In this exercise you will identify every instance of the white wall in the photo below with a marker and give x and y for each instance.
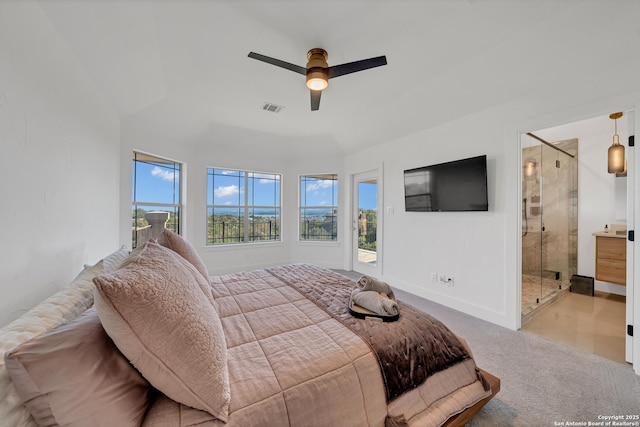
(222, 146)
(60, 146)
(466, 245)
(326, 254)
(480, 249)
(63, 194)
(596, 189)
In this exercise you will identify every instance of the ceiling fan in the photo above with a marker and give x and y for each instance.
(318, 71)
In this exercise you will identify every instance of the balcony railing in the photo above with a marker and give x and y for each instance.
(367, 238)
(313, 229)
(233, 231)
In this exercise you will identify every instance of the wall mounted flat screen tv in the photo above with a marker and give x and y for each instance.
(455, 186)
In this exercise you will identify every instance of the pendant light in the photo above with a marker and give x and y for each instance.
(616, 162)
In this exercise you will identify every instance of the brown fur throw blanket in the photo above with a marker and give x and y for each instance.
(408, 350)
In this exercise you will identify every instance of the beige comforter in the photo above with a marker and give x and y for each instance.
(291, 364)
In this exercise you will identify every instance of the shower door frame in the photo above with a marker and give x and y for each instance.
(551, 228)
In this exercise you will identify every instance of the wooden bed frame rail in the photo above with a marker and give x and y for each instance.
(464, 417)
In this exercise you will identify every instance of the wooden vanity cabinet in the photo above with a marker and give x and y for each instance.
(611, 259)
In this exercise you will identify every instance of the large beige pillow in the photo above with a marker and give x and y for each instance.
(154, 310)
(74, 375)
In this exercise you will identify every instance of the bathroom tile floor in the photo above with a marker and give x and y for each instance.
(593, 324)
(536, 293)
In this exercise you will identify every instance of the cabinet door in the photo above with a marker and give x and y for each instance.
(611, 248)
(611, 270)
(611, 265)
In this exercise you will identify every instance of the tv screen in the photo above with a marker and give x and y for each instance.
(455, 186)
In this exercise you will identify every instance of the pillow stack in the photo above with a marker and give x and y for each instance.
(157, 314)
(158, 310)
(74, 375)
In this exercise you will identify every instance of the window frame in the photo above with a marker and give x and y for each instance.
(177, 209)
(249, 177)
(335, 208)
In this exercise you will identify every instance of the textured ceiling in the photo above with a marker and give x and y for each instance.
(183, 65)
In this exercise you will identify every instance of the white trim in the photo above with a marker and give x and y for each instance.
(336, 207)
(182, 197)
(513, 235)
(513, 223)
(246, 205)
(376, 174)
(633, 288)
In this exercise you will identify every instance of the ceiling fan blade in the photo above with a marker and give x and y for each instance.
(315, 99)
(278, 63)
(352, 67)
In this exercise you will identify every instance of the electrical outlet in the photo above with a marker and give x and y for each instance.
(446, 280)
(434, 277)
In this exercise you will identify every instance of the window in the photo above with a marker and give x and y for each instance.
(319, 207)
(242, 206)
(156, 187)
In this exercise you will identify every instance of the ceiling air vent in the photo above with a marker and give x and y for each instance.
(267, 106)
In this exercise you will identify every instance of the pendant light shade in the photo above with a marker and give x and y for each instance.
(616, 158)
(616, 162)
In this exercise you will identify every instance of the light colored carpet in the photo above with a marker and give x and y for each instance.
(542, 382)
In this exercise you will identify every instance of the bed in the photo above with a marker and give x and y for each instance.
(272, 347)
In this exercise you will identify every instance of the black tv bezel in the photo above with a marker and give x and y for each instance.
(435, 165)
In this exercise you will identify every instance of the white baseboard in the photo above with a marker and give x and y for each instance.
(611, 288)
(454, 303)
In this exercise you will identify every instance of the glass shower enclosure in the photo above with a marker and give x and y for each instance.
(549, 220)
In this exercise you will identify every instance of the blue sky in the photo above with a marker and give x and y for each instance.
(367, 195)
(156, 184)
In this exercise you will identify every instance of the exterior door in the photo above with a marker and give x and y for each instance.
(632, 221)
(366, 224)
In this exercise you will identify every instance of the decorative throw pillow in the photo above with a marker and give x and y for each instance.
(154, 311)
(75, 375)
(112, 261)
(182, 246)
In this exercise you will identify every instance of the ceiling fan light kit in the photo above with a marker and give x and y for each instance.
(317, 77)
(318, 72)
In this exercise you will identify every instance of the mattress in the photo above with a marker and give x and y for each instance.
(290, 362)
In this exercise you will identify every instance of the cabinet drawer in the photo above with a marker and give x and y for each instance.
(611, 248)
(611, 270)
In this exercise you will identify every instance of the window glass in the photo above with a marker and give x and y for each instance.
(155, 187)
(242, 206)
(318, 207)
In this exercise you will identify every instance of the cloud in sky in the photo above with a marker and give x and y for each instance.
(228, 191)
(323, 183)
(163, 174)
(264, 178)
